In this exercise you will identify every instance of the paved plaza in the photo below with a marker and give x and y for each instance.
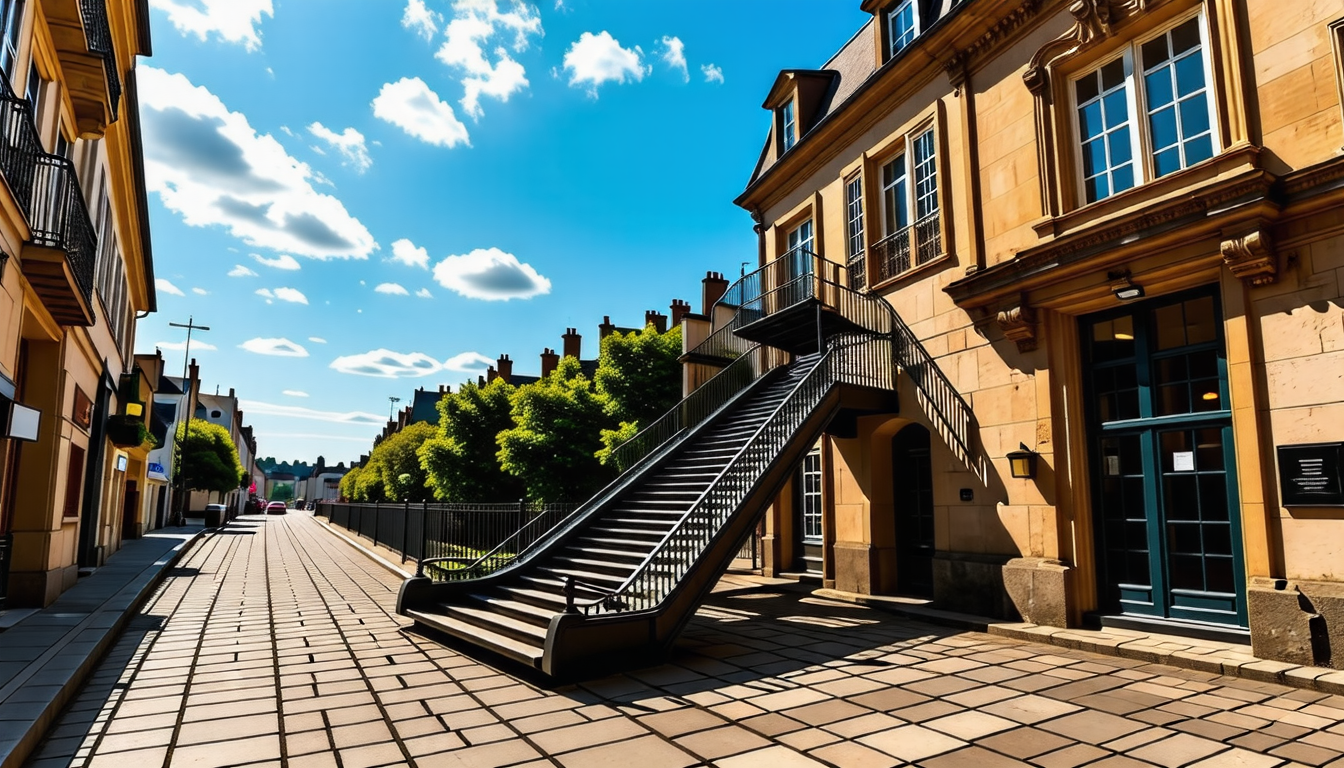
(275, 643)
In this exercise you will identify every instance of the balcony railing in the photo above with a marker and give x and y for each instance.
(98, 34)
(46, 189)
(924, 239)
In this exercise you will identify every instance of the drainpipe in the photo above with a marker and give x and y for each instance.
(760, 238)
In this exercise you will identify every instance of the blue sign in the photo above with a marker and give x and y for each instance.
(156, 468)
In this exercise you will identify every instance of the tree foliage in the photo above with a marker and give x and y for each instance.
(397, 462)
(460, 459)
(556, 434)
(639, 374)
(208, 459)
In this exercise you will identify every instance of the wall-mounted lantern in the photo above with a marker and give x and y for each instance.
(1022, 462)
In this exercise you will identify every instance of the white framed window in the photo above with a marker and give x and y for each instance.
(1145, 113)
(911, 220)
(788, 126)
(801, 238)
(11, 18)
(902, 26)
(854, 246)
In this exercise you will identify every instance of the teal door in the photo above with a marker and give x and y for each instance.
(1165, 498)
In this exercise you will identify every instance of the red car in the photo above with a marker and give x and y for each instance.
(276, 508)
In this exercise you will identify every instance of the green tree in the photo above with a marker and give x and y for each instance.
(556, 434)
(282, 492)
(208, 459)
(461, 459)
(349, 481)
(639, 375)
(398, 464)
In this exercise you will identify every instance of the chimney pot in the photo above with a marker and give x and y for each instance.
(713, 287)
(679, 310)
(573, 343)
(657, 319)
(549, 361)
(606, 328)
(505, 368)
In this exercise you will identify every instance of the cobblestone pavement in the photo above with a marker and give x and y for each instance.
(274, 643)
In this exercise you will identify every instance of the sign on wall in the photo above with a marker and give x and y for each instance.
(1312, 475)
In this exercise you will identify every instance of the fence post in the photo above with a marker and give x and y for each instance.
(405, 528)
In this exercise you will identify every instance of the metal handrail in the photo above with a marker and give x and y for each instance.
(495, 556)
(98, 37)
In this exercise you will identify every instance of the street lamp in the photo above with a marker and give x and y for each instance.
(1022, 462)
(392, 407)
(186, 398)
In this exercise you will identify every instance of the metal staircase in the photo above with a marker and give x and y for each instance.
(614, 583)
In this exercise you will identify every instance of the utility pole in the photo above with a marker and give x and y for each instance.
(183, 418)
(392, 407)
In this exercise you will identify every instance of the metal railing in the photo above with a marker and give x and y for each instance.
(98, 36)
(46, 189)
(855, 359)
(447, 535)
(924, 239)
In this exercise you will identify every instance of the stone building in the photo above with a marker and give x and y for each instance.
(76, 270)
(1115, 228)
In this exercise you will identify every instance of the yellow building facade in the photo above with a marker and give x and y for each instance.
(77, 271)
(1115, 227)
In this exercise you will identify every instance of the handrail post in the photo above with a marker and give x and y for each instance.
(569, 589)
(405, 528)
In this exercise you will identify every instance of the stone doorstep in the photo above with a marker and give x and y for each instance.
(16, 747)
(1199, 655)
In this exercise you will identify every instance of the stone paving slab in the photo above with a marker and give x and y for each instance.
(284, 650)
(48, 653)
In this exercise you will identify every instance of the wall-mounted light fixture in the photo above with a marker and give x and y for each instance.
(135, 410)
(1022, 462)
(1123, 287)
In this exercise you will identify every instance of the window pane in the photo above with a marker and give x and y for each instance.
(1157, 86)
(1096, 189)
(1117, 109)
(1094, 157)
(1201, 326)
(1155, 52)
(1170, 324)
(1185, 37)
(1166, 162)
(1089, 120)
(1194, 115)
(1122, 178)
(1199, 149)
(1086, 89)
(1163, 126)
(1189, 74)
(1121, 149)
(1113, 75)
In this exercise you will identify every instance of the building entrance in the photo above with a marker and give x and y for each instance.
(808, 503)
(1164, 486)
(912, 488)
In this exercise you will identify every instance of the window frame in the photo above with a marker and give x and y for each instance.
(1136, 101)
(11, 28)
(788, 126)
(904, 149)
(889, 15)
(856, 244)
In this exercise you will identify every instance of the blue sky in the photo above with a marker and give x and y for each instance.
(332, 181)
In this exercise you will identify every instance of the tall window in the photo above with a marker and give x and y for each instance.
(11, 17)
(910, 223)
(858, 273)
(801, 238)
(788, 126)
(902, 26)
(1134, 129)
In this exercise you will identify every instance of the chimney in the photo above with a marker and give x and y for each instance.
(231, 394)
(505, 368)
(680, 309)
(481, 381)
(491, 374)
(714, 287)
(573, 343)
(658, 319)
(549, 360)
(606, 328)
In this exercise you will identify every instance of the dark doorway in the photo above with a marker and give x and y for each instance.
(912, 491)
(130, 512)
(1164, 480)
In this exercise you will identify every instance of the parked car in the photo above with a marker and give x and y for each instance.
(276, 508)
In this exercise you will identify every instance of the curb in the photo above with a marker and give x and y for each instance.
(1246, 667)
(396, 570)
(16, 754)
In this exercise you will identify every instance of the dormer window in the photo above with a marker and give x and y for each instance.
(788, 126)
(902, 26)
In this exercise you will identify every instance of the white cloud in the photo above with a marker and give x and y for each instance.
(234, 21)
(294, 393)
(490, 274)
(424, 293)
(292, 295)
(317, 339)
(410, 105)
(713, 73)
(387, 364)
(392, 289)
(674, 55)
(596, 59)
(240, 271)
(407, 253)
(266, 294)
(476, 24)
(210, 166)
(468, 362)
(283, 261)
(274, 347)
(420, 19)
(350, 143)
(253, 407)
(200, 291)
(174, 346)
(167, 287)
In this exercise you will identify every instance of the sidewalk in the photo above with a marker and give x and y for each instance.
(46, 656)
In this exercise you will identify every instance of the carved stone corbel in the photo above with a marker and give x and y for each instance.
(1252, 258)
(1092, 20)
(1019, 326)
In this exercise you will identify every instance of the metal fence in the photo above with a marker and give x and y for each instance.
(465, 532)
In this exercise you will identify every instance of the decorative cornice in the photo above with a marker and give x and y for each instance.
(958, 66)
(1251, 257)
(1093, 20)
(1308, 180)
(1019, 326)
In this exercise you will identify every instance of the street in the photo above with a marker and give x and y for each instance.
(274, 643)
